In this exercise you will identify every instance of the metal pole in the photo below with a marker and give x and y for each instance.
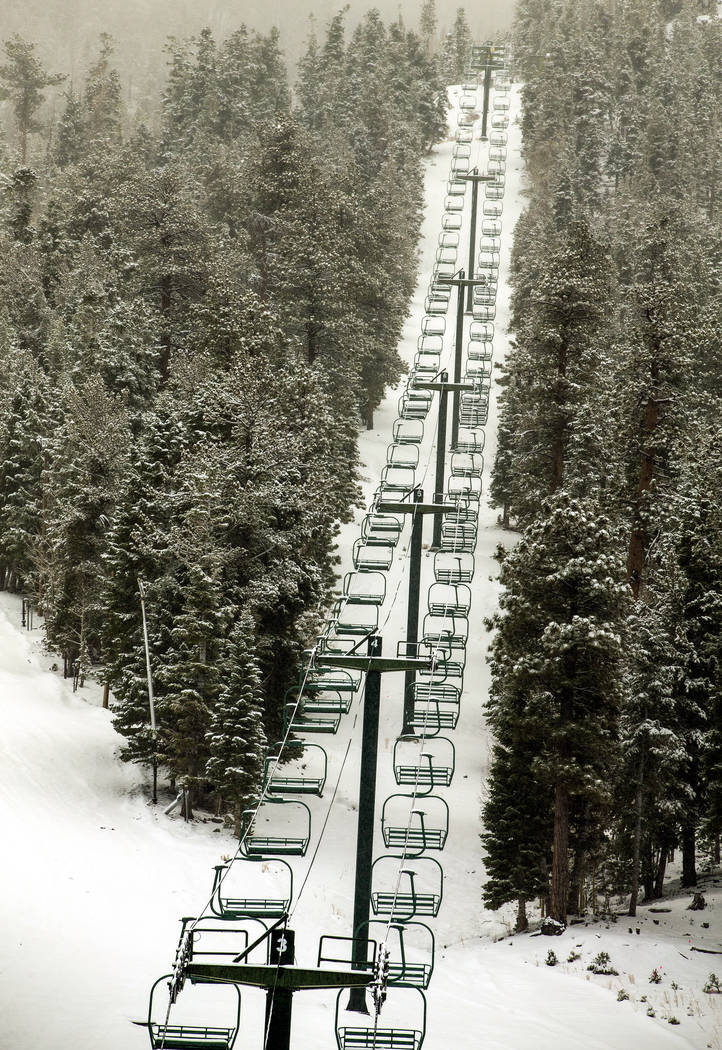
(412, 619)
(487, 87)
(365, 834)
(279, 1001)
(472, 238)
(457, 361)
(151, 700)
(440, 457)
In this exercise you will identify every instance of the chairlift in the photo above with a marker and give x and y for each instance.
(477, 371)
(357, 620)
(206, 1000)
(269, 880)
(373, 1036)
(434, 326)
(463, 135)
(424, 762)
(485, 295)
(436, 303)
(458, 536)
(493, 209)
(490, 243)
(448, 239)
(408, 431)
(368, 557)
(385, 529)
(497, 153)
(446, 629)
(467, 487)
(470, 441)
(466, 118)
(488, 261)
(365, 588)
(401, 454)
(501, 105)
(493, 192)
(481, 332)
(435, 706)
(468, 102)
(289, 832)
(431, 344)
(446, 255)
(453, 568)
(500, 121)
(483, 312)
(461, 150)
(498, 138)
(419, 890)
(409, 408)
(460, 166)
(295, 768)
(399, 481)
(426, 365)
(467, 464)
(453, 204)
(451, 220)
(415, 823)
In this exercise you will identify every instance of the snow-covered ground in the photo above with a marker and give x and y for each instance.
(93, 880)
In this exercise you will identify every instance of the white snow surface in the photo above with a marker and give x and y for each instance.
(94, 880)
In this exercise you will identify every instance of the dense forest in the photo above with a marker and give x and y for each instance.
(606, 701)
(194, 322)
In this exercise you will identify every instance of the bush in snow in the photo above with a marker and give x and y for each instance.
(602, 964)
(655, 976)
(551, 959)
(712, 984)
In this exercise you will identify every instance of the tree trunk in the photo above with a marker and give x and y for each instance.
(560, 856)
(369, 415)
(648, 874)
(717, 849)
(522, 922)
(638, 540)
(637, 837)
(106, 696)
(689, 857)
(661, 869)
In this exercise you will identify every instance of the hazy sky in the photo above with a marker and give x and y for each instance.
(66, 31)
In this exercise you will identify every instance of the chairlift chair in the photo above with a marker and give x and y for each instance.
(500, 121)
(385, 529)
(448, 239)
(468, 102)
(408, 431)
(273, 877)
(458, 536)
(453, 204)
(478, 350)
(420, 892)
(477, 371)
(414, 823)
(470, 441)
(165, 1035)
(482, 312)
(436, 303)
(497, 153)
(399, 454)
(451, 220)
(466, 118)
(467, 464)
(493, 192)
(463, 135)
(435, 707)
(491, 227)
(481, 332)
(466, 487)
(365, 588)
(295, 768)
(422, 762)
(462, 149)
(448, 629)
(447, 255)
(444, 598)
(431, 344)
(368, 557)
(352, 1036)
(434, 326)
(493, 209)
(288, 835)
(357, 620)
(453, 567)
(498, 138)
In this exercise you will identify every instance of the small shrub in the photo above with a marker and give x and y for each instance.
(622, 995)
(650, 1011)
(672, 1020)
(655, 976)
(643, 999)
(573, 956)
(551, 959)
(712, 985)
(602, 964)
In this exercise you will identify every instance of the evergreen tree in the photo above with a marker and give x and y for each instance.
(236, 741)
(24, 80)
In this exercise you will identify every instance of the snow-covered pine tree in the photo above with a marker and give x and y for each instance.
(236, 741)
(559, 647)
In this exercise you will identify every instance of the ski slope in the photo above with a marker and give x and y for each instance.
(93, 880)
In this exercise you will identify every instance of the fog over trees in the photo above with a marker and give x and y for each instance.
(66, 31)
